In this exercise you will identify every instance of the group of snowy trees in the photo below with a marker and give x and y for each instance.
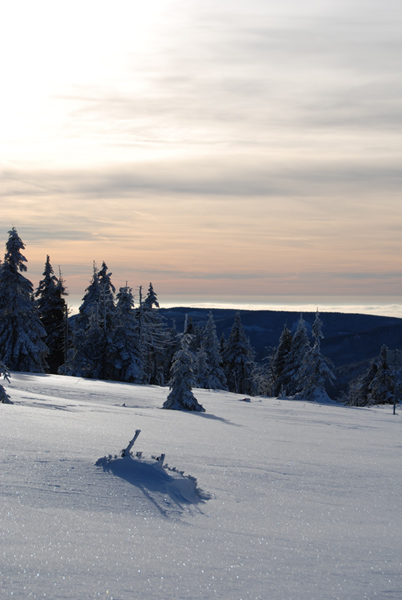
(112, 338)
(298, 368)
(379, 385)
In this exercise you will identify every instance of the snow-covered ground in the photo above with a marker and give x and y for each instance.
(293, 500)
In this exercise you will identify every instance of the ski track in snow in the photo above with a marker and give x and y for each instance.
(299, 501)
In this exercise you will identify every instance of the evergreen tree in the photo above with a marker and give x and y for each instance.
(181, 396)
(4, 372)
(279, 363)
(316, 369)
(381, 387)
(127, 359)
(151, 299)
(359, 388)
(261, 383)
(52, 311)
(93, 349)
(376, 386)
(239, 359)
(154, 340)
(201, 369)
(21, 333)
(296, 357)
(210, 359)
(90, 299)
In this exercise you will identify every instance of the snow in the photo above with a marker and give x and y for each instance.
(292, 500)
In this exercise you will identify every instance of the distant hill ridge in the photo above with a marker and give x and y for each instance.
(349, 338)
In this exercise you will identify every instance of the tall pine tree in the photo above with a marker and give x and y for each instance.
(21, 333)
(239, 359)
(316, 369)
(210, 359)
(295, 359)
(127, 357)
(52, 311)
(279, 363)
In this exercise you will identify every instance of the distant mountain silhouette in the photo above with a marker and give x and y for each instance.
(351, 340)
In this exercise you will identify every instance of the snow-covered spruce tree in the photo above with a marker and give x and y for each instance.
(316, 369)
(4, 372)
(52, 311)
(90, 299)
(295, 359)
(92, 354)
(359, 388)
(279, 363)
(261, 384)
(382, 386)
(88, 349)
(151, 299)
(127, 356)
(376, 386)
(238, 359)
(154, 339)
(210, 372)
(21, 333)
(181, 396)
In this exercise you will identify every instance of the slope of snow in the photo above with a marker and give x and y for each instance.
(292, 500)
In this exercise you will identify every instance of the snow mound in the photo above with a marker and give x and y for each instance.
(167, 488)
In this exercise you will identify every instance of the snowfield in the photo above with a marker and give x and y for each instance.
(285, 500)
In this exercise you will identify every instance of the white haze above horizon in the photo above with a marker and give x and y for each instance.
(378, 305)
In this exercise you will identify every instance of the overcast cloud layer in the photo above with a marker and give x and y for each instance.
(244, 148)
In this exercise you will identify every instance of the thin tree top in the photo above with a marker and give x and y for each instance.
(13, 257)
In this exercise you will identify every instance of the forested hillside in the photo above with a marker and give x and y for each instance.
(121, 336)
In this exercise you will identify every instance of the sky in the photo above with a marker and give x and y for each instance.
(232, 149)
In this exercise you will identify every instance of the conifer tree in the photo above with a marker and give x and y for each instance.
(90, 299)
(4, 372)
(154, 339)
(295, 359)
(359, 388)
(182, 380)
(52, 311)
(151, 299)
(210, 359)
(239, 359)
(127, 358)
(381, 387)
(279, 363)
(316, 369)
(376, 386)
(21, 333)
(92, 354)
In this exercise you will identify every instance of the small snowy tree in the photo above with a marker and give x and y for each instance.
(21, 333)
(151, 299)
(181, 396)
(4, 372)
